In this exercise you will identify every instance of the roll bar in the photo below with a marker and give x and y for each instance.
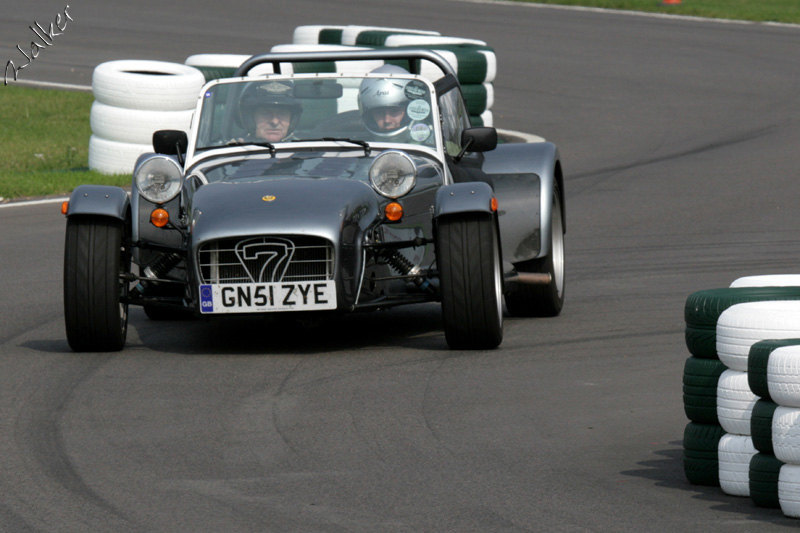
(410, 55)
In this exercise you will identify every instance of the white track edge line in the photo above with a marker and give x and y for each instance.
(32, 202)
(51, 85)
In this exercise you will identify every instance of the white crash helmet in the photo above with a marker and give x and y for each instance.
(375, 93)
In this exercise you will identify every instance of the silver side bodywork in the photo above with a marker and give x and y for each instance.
(524, 177)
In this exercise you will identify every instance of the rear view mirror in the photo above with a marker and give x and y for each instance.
(477, 140)
(318, 90)
(170, 142)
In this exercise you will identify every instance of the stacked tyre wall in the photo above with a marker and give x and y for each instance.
(741, 388)
(474, 62)
(133, 99)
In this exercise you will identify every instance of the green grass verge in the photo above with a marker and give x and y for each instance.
(756, 10)
(44, 143)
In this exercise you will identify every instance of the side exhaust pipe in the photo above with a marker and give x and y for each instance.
(528, 278)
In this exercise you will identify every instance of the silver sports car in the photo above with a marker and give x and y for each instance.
(323, 193)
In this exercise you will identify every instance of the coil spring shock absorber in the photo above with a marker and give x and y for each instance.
(403, 266)
(158, 268)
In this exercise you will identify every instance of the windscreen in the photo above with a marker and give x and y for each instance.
(275, 110)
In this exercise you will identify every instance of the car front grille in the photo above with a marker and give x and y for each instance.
(266, 260)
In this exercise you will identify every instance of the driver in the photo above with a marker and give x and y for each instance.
(268, 111)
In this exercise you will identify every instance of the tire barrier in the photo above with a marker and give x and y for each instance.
(112, 157)
(735, 402)
(135, 126)
(764, 478)
(786, 434)
(735, 453)
(484, 119)
(314, 34)
(741, 326)
(216, 66)
(703, 308)
(783, 376)
(700, 380)
(376, 35)
(761, 425)
(700, 453)
(747, 337)
(143, 84)
(789, 490)
(758, 363)
(770, 280)
(359, 67)
(133, 99)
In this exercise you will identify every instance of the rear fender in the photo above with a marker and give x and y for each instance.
(541, 159)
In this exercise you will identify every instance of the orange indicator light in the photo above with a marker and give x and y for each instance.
(159, 217)
(494, 204)
(394, 211)
(65, 207)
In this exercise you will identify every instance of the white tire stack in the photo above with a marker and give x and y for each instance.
(768, 280)
(215, 66)
(701, 376)
(474, 62)
(739, 329)
(734, 408)
(783, 381)
(133, 99)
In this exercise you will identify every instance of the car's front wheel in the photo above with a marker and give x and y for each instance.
(95, 310)
(471, 282)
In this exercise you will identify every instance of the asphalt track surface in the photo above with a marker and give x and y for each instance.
(679, 141)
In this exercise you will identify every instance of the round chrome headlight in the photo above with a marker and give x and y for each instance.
(158, 179)
(393, 173)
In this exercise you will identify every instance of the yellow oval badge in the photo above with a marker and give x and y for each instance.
(268, 198)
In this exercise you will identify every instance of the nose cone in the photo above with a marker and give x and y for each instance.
(322, 207)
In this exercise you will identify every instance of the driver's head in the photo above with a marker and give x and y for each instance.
(383, 103)
(269, 111)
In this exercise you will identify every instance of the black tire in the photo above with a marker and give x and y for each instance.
(543, 300)
(95, 314)
(761, 425)
(700, 454)
(763, 478)
(703, 308)
(702, 341)
(471, 280)
(700, 379)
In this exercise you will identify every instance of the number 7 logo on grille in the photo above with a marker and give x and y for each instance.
(265, 260)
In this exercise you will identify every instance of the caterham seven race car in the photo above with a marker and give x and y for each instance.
(323, 193)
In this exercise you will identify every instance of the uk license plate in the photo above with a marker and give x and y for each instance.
(267, 297)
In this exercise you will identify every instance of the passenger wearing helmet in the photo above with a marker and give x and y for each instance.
(268, 111)
(383, 106)
(396, 109)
